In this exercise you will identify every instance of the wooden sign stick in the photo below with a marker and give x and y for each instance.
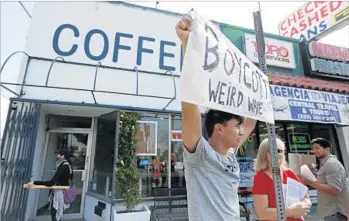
(45, 187)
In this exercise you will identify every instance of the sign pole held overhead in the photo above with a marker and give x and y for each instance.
(281, 212)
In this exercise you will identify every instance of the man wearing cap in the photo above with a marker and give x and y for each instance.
(62, 177)
(333, 191)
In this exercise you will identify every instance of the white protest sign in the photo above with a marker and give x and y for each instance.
(217, 75)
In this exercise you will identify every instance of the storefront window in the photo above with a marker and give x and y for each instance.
(298, 138)
(263, 131)
(160, 168)
(153, 153)
(246, 156)
(299, 151)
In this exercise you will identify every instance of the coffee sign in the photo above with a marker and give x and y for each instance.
(325, 60)
(277, 53)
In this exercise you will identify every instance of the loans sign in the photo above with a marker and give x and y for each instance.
(217, 75)
(314, 18)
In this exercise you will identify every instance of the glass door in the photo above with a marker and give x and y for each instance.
(78, 143)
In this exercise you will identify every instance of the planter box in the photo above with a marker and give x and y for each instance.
(142, 214)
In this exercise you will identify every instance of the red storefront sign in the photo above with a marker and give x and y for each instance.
(330, 52)
(176, 135)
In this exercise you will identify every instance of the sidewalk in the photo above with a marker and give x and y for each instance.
(314, 216)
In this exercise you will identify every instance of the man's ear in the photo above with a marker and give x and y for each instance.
(218, 128)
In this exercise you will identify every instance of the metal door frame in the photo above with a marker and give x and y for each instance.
(85, 174)
(17, 150)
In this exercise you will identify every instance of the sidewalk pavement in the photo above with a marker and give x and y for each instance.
(310, 217)
(314, 216)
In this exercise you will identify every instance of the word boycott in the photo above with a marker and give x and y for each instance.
(218, 75)
(233, 64)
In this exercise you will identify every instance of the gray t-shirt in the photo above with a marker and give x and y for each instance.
(332, 173)
(212, 183)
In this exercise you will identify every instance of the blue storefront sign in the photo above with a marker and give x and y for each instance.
(305, 110)
(297, 104)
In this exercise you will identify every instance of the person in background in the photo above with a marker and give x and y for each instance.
(157, 169)
(333, 193)
(263, 185)
(62, 177)
(173, 162)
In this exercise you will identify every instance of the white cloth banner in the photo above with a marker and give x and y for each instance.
(217, 75)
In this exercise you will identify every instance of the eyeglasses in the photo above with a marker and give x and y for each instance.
(279, 151)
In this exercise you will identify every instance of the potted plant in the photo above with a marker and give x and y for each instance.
(127, 174)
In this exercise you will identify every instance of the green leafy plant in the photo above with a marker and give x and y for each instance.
(127, 174)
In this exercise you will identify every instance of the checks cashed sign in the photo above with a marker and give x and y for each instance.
(217, 75)
(315, 18)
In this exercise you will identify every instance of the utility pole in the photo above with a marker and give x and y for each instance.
(281, 213)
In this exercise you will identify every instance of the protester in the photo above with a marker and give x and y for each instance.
(263, 185)
(62, 177)
(211, 170)
(333, 191)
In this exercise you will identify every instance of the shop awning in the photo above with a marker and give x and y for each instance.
(308, 83)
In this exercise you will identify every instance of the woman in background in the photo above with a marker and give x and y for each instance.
(263, 186)
(62, 177)
(157, 170)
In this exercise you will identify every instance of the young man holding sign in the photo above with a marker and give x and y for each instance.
(211, 169)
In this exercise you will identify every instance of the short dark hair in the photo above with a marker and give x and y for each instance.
(324, 143)
(65, 152)
(213, 117)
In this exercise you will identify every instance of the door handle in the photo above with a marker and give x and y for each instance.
(83, 175)
(87, 160)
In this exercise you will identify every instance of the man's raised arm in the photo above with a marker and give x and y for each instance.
(191, 117)
(191, 126)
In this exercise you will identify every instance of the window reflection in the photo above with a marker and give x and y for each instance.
(102, 173)
(147, 137)
(246, 155)
(298, 136)
(279, 131)
(153, 153)
(161, 167)
(177, 165)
